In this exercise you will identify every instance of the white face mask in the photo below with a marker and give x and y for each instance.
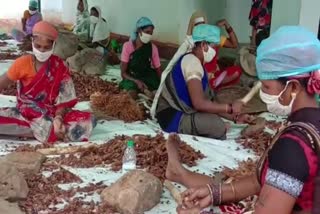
(94, 19)
(145, 38)
(42, 56)
(32, 12)
(209, 55)
(273, 104)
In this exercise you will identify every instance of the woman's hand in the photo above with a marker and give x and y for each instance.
(197, 198)
(245, 119)
(59, 127)
(237, 107)
(223, 23)
(184, 210)
(141, 85)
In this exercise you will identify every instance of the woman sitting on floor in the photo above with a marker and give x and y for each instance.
(29, 19)
(95, 53)
(185, 104)
(99, 30)
(217, 78)
(288, 178)
(45, 95)
(82, 26)
(140, 62)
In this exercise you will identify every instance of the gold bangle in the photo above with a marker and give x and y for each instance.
(234, 192)
(211, 193)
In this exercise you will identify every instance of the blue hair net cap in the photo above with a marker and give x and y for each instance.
(33, 4)
(290, 51)
(142, 22)
(208, 33)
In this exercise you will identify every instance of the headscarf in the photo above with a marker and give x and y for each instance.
(196, 17)
(203, 32)
(44, 28)
(141, 23)
(291, 52)
(85, 12)
(99, 31)
(82, 26)
(208, 33)
(34, 4)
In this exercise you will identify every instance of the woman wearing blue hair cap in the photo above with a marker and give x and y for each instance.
(140, 61)
(185, 103)
(288, 178)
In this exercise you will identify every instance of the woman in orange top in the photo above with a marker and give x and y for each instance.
(45, 95)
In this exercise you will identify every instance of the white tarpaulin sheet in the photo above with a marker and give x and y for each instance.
(218, 153)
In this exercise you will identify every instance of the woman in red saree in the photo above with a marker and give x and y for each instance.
(45, 95)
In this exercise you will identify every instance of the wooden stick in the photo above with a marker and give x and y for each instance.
(175, 193)
(65, 150)
(251, 93)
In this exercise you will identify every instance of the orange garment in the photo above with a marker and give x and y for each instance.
(223, 40)
(26, 15)
(22, 69)
(46, 29)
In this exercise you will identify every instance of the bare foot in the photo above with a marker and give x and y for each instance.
(175, 169)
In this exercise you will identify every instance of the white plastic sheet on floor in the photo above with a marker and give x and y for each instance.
(218, 154)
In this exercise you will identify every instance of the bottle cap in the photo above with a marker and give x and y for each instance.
(130, 143)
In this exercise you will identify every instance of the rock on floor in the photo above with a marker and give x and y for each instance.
(13, 186)
(135, 192)
(26, 162)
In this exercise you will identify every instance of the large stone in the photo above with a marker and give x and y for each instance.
(13, 186)
(88, 61)
(66, 45)
(26, 162)
(9, 208)
(136, 192)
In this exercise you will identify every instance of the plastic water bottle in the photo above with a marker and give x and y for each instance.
(129, 159)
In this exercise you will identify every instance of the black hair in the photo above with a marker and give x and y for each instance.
(303, 82)
(198, 44)
(145, 27)
(95, 9)
(262, 35)
(319, 30)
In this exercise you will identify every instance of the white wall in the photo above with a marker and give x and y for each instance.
(123, 14)
(237, 13)
(69, 10)
(52, 10)
(171, 17)
(309, 14)
(285, 12)
(13, 9)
